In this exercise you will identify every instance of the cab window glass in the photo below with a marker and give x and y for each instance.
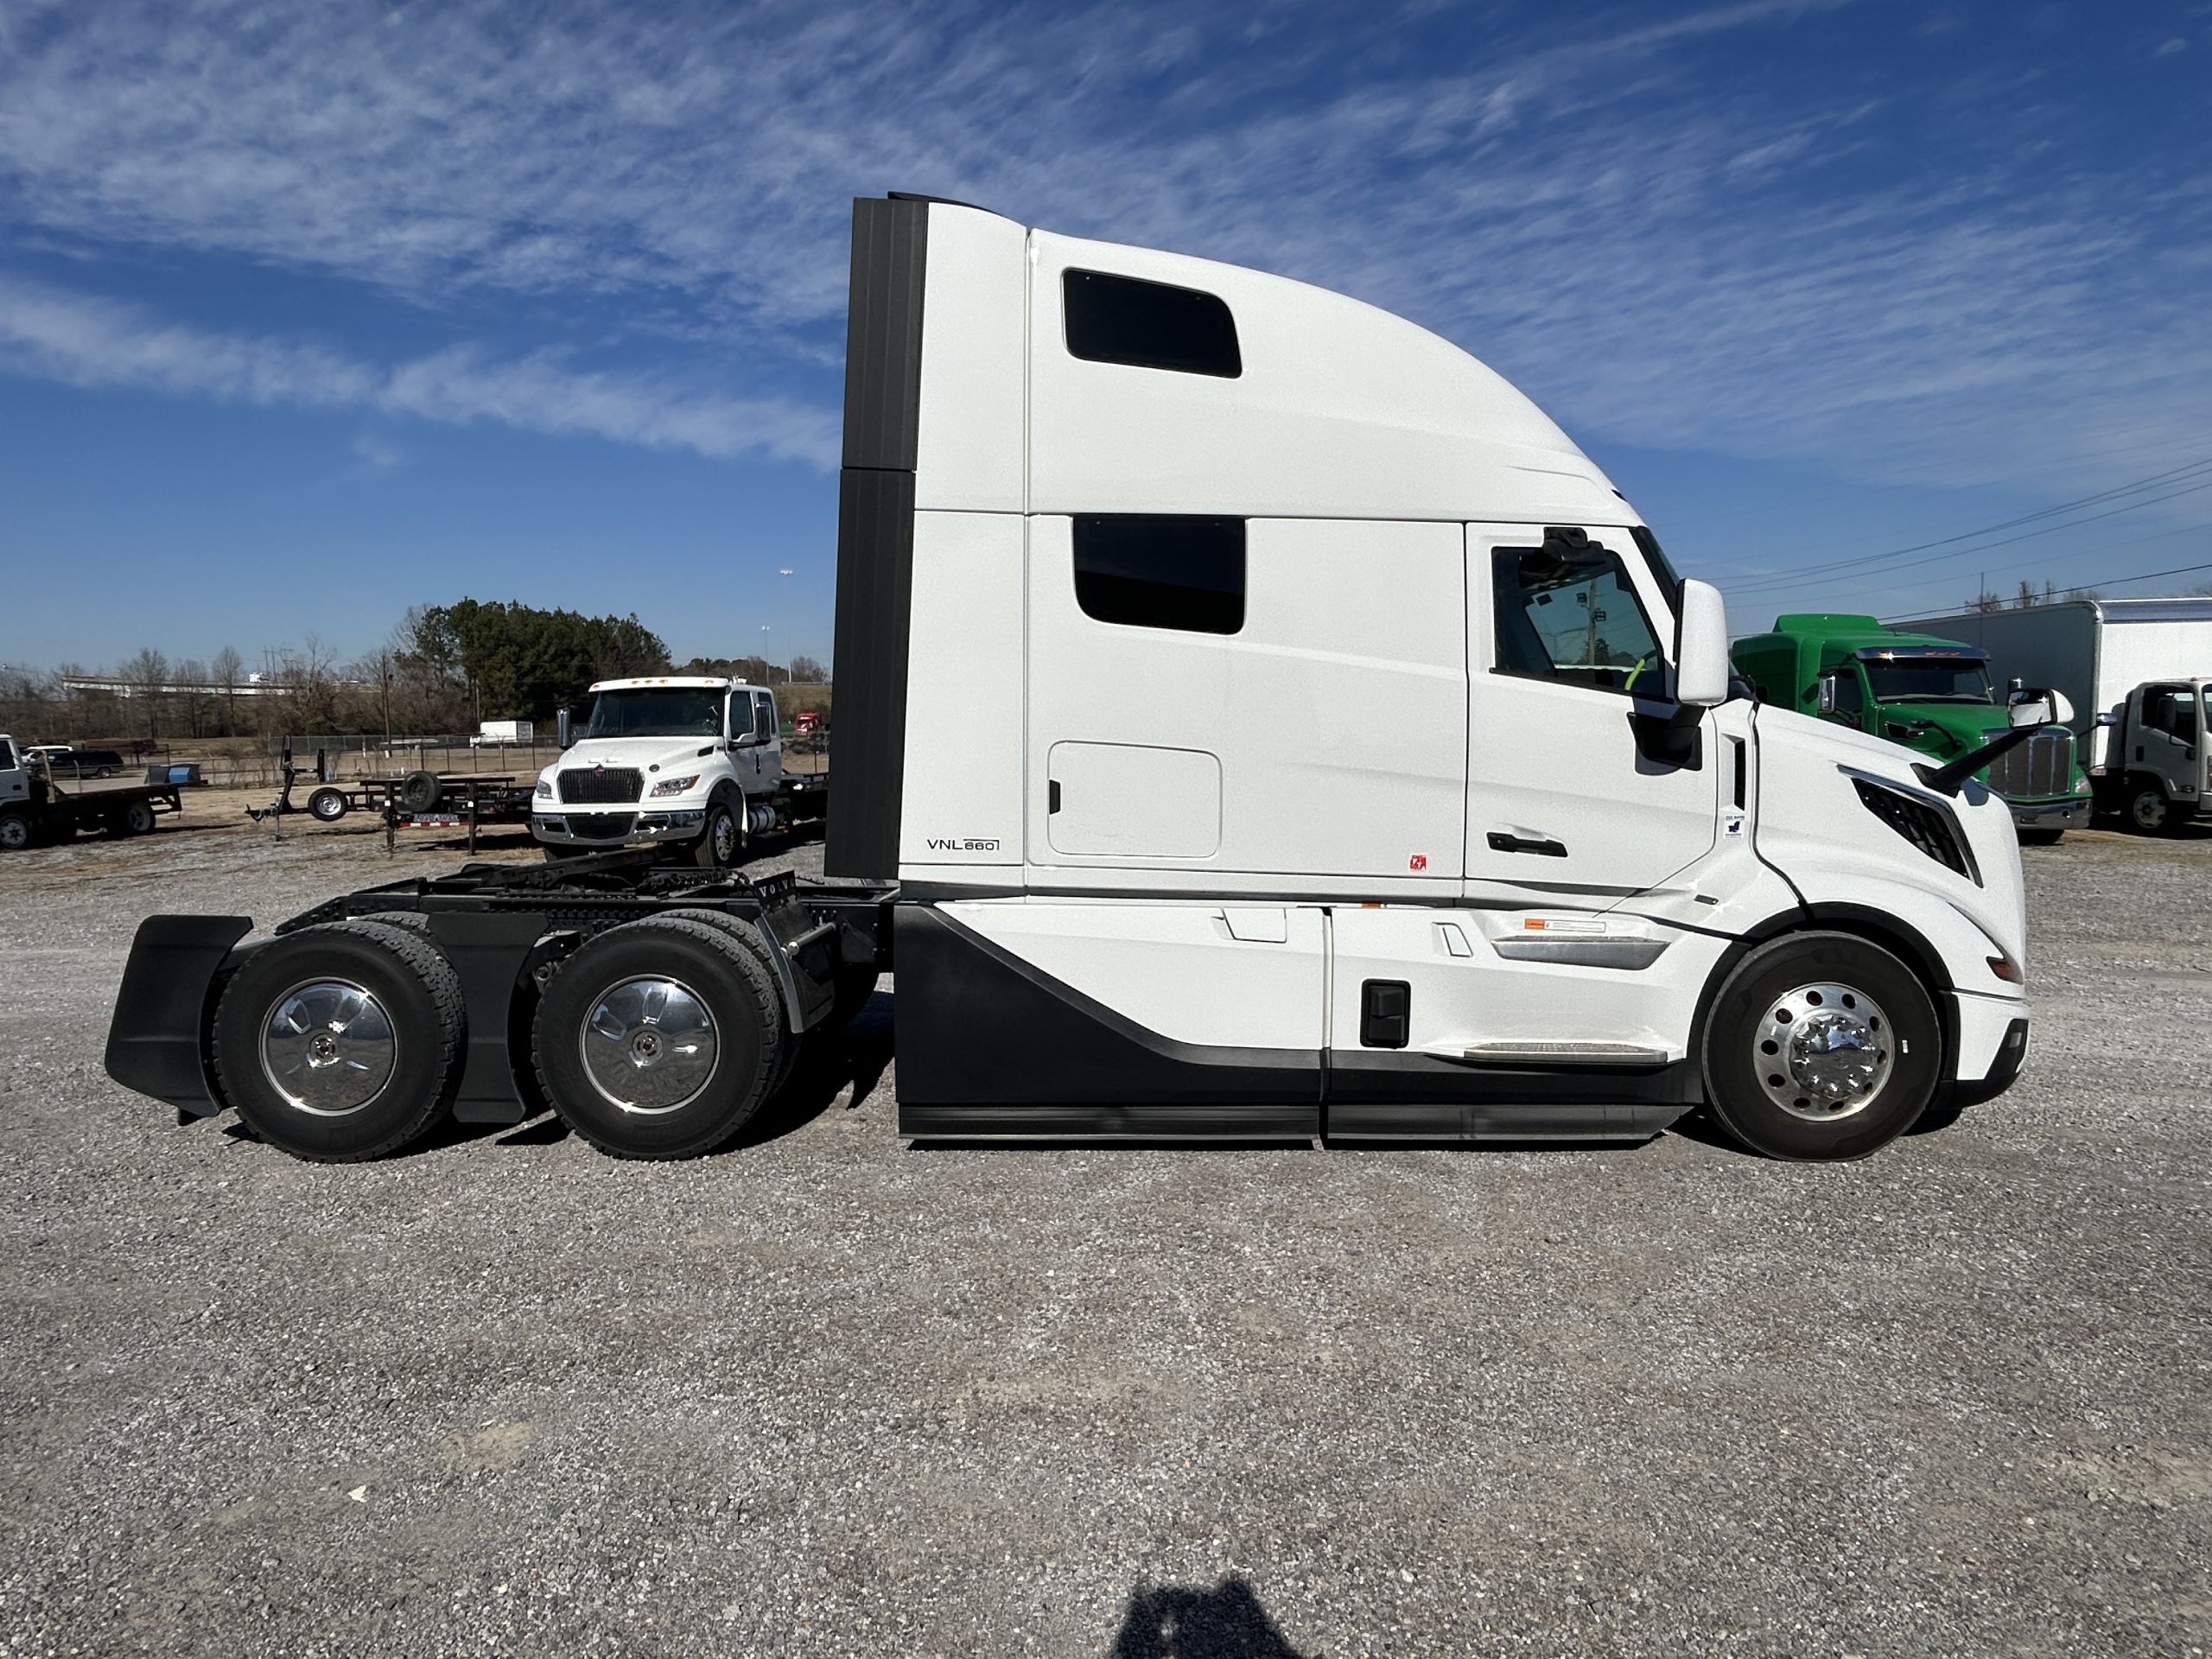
(1849, 699)
(1570, 613)
(2173, 713)
(6, 755)
(763, 717)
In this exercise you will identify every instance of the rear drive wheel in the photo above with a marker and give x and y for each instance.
(2149, 810)
(1820, 1046)
(659, 1039)
(327, 805)
(15, 831)
(133, 818)
(341, 1042)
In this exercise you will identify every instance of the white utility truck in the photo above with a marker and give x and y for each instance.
(691, 760)
(2136, 671)
(1184, 529)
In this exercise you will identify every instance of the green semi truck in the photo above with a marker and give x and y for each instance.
(1928, 694)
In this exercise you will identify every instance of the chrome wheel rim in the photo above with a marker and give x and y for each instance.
(329, 1048)
(725, 837)
(649, 1045)
(1824, 1052)
(2150, 810)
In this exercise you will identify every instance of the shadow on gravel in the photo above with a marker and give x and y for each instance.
(1226, 1621)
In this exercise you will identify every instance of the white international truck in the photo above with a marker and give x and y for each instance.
(1183, 529)
(694, 762)
(2136, 671)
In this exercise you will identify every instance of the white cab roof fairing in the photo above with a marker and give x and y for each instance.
(654, 681)
(1342, 409)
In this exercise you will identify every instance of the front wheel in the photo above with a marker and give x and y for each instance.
(720, 842)
(2149, 810)
(15, 831)
(1820, 1047)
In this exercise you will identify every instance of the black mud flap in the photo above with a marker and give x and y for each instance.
(156, 1043)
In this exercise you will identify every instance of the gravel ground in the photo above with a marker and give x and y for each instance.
(824, 1392)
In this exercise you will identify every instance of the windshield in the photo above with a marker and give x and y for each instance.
(658, 711)
(1947, 679)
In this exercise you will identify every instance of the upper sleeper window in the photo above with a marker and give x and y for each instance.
(1570, 613)
(1146, 570)
(1148, 325)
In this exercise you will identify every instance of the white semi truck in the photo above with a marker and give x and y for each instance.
(2136, 671)
(695, 761)
(1183, 529)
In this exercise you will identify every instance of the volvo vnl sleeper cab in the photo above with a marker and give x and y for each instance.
(1182, 529)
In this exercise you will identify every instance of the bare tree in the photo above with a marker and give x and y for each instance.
(805, 670)
(147, 673)
(228, 669)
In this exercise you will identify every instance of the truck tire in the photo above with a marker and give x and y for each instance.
(327, 805)
(749, 935)
(2149, 811)
(341, 1042)
(134, 818)
(1820, 1047)
(15, 831)
(418, 791)
(722, 841)
(658, 1039)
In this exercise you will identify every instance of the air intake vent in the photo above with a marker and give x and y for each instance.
(1926, 825)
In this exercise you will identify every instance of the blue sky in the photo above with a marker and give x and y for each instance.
(309, 312)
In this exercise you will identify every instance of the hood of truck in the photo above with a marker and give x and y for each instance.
(1959, 726)
(655, 757)
(1815, 829)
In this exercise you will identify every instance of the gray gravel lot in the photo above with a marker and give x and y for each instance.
(824, 1392)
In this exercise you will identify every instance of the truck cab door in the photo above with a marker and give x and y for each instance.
(2167, 738)
(1580, 780)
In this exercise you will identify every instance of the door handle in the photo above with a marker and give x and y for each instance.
(1501, 842)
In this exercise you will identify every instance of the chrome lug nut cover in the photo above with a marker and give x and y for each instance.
(1823, 1052)
(327, 1047)
(649, 1044)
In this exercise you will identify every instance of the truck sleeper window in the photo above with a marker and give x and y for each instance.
(1158, 570)
(1570, 614)
(1148, 325)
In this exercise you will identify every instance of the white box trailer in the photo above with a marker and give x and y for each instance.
(1189, 527)
(2136, 671)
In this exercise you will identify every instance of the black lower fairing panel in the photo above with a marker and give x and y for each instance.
(157, 1042)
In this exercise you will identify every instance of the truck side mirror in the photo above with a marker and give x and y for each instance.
(2039, 707)
(1701, 666)
(561, 729)
(1824, 694)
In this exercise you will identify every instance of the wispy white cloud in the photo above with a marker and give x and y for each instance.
(2168, 48)
(96, 343)
(1771, 272)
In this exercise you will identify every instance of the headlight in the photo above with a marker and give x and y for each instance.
(674, 785)
(544, 789)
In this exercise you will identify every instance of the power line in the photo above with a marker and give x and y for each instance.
(2115, 581)
(1766, 584)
